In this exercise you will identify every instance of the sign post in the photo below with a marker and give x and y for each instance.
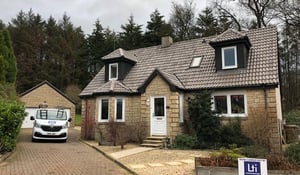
(250, 166)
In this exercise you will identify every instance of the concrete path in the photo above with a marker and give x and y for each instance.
(121, 154)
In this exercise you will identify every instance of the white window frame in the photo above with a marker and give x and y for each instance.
(235, 57)
(109, 71)
(100, 109)
(228, 95)
(196, 61)
(123, 109)
(180, 107)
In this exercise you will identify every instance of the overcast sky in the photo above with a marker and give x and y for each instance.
(84, 13)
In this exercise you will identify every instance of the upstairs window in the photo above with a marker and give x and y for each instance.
(113, 71)
(229, 57)
(196, 62)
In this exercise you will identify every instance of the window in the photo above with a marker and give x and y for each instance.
(113, 71)
(180, 107)
(103, 110)
(119, 109)
(229, 57)
(159, 107)
(196, 62)
(230, 104)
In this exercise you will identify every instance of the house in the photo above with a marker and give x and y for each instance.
(48, 95)
(152, 85)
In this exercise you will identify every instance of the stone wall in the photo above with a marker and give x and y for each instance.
(88, 118)
(54, 99)
(158, 87)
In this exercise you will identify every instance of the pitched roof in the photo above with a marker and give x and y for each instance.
(120, 53)
(229, 34)
(173, 63)
(52, 86)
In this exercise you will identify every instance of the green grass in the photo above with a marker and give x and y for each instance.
(78, 120)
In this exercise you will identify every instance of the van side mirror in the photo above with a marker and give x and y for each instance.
(70, 119)
(32, 118)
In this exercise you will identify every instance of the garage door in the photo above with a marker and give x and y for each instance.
(27, 123)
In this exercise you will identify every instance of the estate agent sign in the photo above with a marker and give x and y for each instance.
(250, 166)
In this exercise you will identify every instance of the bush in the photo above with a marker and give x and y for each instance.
(224, 158)
(205, 123)
(11, 118)
(185, 142)
(292, 116)
(255, 151)
(231, 133)
(293, 153)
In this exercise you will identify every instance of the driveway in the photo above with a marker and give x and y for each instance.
(50, 158)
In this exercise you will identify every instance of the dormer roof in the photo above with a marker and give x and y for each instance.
(120, 53)
(230, 36)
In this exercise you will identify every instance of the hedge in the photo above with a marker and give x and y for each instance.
(12, 114)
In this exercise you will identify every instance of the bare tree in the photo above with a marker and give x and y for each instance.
(182, 20)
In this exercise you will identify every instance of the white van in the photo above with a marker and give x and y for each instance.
(50, 124)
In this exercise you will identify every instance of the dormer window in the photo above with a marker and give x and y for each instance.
(229, 57)
(113, 71)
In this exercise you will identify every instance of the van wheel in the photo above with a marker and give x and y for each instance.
(64, 141)
(33, 139)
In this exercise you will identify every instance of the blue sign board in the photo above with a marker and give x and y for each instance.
(250, 166)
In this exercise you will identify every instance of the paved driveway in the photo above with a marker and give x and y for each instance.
(49, 158)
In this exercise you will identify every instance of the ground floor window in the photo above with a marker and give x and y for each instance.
(103, 114)
(120, 109)
(230, 104)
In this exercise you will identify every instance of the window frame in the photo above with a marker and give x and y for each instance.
(180, 107)
(235, 57)
(123, 109)
(100, 109)
(109, 71)
(229, 105)
(195, 60)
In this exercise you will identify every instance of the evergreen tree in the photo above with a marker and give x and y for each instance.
(131, 37)
(156, 28)
(206, 24)
(205, 123)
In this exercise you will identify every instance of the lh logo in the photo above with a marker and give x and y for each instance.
(252, 168)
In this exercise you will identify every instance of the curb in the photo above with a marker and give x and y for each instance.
(6, 155)
(109, 157)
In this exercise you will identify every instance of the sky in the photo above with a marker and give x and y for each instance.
(84, 13)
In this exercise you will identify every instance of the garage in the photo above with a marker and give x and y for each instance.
(45, 94)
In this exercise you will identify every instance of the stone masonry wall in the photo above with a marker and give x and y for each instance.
(88, 118)
(52, 97)
(158, 87)
(132, 119)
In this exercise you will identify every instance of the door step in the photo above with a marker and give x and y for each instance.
(155, 141)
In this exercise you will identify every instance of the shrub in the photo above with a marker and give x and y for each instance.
(279, 162)
(224, 158)
(293, 153)
(255, 151)
(292, 116)
(184, 142)
(11, 118)
(231, 133)
(205, 123)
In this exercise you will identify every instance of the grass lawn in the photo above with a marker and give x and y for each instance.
(78, 120)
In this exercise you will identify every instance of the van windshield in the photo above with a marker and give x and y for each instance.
(51, 114)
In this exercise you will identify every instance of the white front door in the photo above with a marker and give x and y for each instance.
(158, 116)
